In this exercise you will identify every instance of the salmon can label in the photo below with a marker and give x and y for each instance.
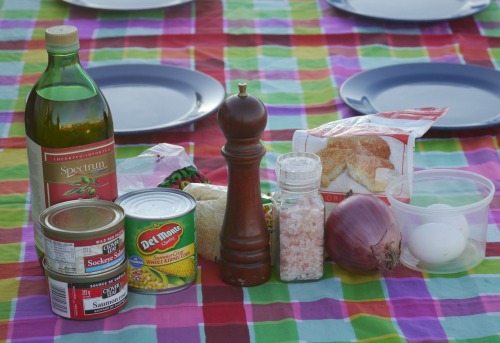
(88, 297)
(86, 256)
(160, 240)
(83, 236)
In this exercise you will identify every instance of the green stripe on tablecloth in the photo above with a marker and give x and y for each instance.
(10, 252)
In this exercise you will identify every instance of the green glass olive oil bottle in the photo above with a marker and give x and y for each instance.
(69, 132)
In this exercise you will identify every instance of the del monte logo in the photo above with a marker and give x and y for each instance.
(158, 239)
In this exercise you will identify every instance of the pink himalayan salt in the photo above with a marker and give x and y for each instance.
(301, 236)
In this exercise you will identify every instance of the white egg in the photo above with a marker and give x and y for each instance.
(455, 220)
(436, 243)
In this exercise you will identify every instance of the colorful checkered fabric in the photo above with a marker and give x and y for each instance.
(294, 55)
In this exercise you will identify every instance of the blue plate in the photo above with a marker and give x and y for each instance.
(411, 10)
(471, 93)
(148, 97)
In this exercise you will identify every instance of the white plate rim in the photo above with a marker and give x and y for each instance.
(437, 67)
(126, 5)
(215, 92)
(346, 6)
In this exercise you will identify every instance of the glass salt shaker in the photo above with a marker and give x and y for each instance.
(300, 218)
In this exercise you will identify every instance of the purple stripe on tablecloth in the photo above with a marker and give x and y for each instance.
(481, 156)
(322, 309)
(30, 254)
(180, 334)
(344, 65)
(116, 24)
(462, 307)
(271, 312)
(285, 110)
(422, 329)
(24, 330)
(66, 327)
(268, 174)
(445, 59)
(409, 308)
(185, 297)
(160, 316)
(5, 117)
(489, 170)
(407, 288)
(343, 68)
(14, 24)
(86, 27)
(337, 25)
(178, 25)
(491, 303)
(296, 310)
(33, 307)
(8, 80)
(274, 23)
(495, 217)
(146, 23)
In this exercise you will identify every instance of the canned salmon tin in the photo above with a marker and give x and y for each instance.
(160, 240)
(83, 237)
(85, 297)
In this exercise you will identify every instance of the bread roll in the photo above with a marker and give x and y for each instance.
(209, 215)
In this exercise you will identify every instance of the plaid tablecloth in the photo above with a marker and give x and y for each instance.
(294, 55)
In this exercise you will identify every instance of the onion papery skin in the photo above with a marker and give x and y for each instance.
(362, 235)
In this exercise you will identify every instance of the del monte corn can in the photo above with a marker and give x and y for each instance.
(160, 240)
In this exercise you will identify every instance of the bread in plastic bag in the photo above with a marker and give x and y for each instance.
(363, 154)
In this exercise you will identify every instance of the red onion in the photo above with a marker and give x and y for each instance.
(362, 235)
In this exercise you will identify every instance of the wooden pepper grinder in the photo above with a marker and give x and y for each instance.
(245, 252)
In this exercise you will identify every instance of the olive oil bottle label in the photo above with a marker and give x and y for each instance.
(58, 175)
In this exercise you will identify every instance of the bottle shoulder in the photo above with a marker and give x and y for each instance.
(66, 84)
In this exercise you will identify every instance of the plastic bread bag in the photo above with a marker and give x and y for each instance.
(363, 154)
(210, 211)
(163, 165)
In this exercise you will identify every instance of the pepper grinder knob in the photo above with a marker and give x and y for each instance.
(245, 253)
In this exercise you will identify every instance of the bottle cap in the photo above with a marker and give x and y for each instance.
(62, 39)
(298, 170)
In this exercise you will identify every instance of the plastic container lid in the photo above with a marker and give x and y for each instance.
(62, 39)
(464, 191)
(298, 170)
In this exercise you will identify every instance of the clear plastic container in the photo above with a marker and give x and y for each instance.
(299, 218)
(443, 215)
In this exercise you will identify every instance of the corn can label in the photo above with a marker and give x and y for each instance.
(162, 254)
